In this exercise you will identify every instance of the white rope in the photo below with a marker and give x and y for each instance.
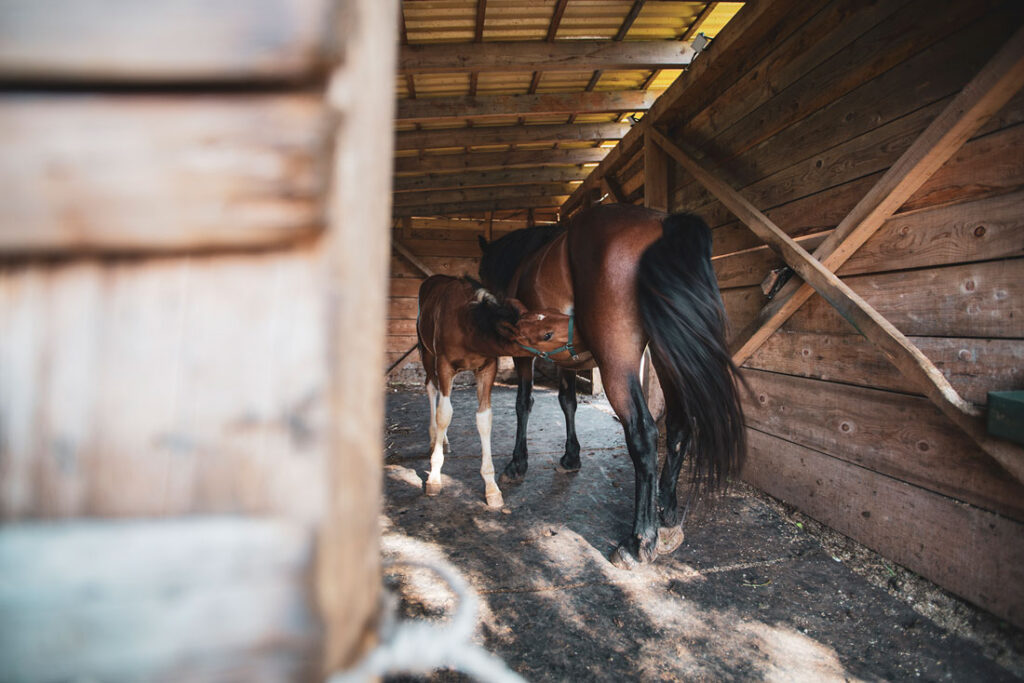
(419, 647)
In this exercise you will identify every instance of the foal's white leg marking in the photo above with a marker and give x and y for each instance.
(432, 397)
(493, 493)
(444, 418)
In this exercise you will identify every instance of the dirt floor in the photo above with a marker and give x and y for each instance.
(756, 592)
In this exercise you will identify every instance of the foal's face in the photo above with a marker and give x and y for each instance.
(543, 330)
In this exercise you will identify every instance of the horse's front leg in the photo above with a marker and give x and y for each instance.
(516, 468)
(443, 419)
(570, 462)
(626, 397)
(484, 384)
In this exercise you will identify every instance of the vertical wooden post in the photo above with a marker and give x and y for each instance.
(357, 256)
(655, 175)
(490, 226)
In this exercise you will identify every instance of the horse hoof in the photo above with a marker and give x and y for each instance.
(568, 466)
(669, 538)
(433, 488)
(511, 475)
(623, 559)
(494, 499)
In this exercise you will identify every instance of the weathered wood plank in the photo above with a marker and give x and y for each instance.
(170, 42)
(431, 197)
(190, 599)
(982, 230)
(497, 160)
(509, 135)
(151, 173)
(466, 248)
(569, 55)
(402, 308)
(497, 178)
(458, 208)
(973, 366)
(237, 345)
(444, 265)
(489, 106)
(967, 550)
(894, 434)
(983, 300)
(405, 286)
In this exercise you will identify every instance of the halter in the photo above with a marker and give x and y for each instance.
(546, 355)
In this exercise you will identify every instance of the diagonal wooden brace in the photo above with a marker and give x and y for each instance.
(869, 322)
(986, 94)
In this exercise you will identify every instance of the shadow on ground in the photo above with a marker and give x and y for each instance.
(749, 595)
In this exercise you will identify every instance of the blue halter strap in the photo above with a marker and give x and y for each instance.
(546, 355)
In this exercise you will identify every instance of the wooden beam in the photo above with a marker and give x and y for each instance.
(890, 341)
(490, 106)
(627, 23)
(509, 135)
(556, 19)
(523, 176)
(462, 208)
(412, 258)
(481, 16)
(613, 189)
(479, 194)
(982, 97)
(655, 174)
(569, 55)
(68, 41)
(485, 160)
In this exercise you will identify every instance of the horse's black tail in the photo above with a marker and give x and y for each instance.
(682, 313)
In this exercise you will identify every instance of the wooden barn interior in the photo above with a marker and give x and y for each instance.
(215, 218)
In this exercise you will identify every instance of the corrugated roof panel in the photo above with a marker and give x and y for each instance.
(503, 82)
(517, 20)
(593, 19)
(720, 16)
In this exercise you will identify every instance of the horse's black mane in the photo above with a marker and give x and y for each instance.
(502, 256)
(492, 313)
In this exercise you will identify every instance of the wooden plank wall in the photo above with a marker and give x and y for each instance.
(803, 127)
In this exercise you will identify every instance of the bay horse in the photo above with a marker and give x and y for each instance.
(629, 276)
(462, 326)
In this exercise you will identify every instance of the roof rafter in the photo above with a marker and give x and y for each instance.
(544, 56)
(518, 105)
(509, 135)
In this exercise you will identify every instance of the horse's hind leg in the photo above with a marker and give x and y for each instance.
(484, 384)
(443, 419)
(677, 441)
(622, 386)
(516, 468)
(570, 462)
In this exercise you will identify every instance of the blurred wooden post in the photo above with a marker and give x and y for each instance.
(358, 252)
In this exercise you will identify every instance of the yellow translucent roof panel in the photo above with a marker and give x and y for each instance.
(517, 20)
(664, 20)
(720, 16)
